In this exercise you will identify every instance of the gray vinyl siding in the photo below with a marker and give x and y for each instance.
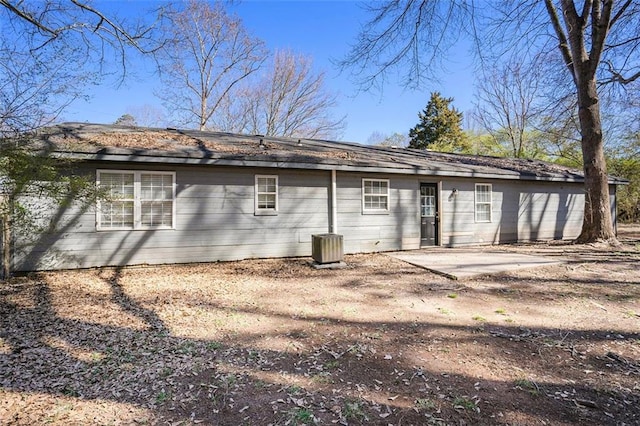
(613, 202)
(214, 221)
(397, 229)
(215, 218)
(521, 211)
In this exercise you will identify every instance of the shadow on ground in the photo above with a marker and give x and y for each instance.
(213, 344)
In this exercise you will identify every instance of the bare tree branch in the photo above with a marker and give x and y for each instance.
(616, 77)
(601, 17)
(289, 100)
(506, 106)
(210, 53)
(28, 17)
(398, 36)
(106, 28)
(621, 12)
(78, 26)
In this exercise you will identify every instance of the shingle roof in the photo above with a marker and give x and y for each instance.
(147, 145)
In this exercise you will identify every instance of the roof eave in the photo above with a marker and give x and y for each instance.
(187, 158)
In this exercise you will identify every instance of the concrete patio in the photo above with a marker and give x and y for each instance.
(462, 263)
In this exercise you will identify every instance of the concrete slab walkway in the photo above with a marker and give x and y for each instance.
(461, 263)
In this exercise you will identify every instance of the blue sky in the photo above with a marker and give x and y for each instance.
(323, 30)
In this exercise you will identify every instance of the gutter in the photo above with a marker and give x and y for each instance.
(237, 162)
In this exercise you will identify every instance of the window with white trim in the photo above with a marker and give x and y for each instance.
(375, 195)
(483, 202)
(136, 200)
(266, 195)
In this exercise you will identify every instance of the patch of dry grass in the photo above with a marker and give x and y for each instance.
(277, 342)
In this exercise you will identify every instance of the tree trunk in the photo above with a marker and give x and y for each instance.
(597, 224)
(6, 246)
(202, 125)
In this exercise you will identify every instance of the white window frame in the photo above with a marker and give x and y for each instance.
(369, 210)
(484, 203)
(261, 211)
(137, 200)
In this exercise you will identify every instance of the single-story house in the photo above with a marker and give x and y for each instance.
(177, 196)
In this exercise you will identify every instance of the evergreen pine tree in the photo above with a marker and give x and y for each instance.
(440, 127)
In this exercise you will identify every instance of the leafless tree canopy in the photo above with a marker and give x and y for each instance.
(506, 105)
(288, 99)
(78, 23)
(412, 35)
(209, 54)
(53, 50)
(147, 115)
(217, 76)
(35, 86)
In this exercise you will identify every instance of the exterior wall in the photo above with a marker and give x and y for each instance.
(521, 211)
(214, 221)
(215, 218)
(397, 229)
(613, 202)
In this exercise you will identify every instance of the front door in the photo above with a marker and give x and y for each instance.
(428, 214)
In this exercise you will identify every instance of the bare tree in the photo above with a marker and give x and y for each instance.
(235, 113)
(147, 115)
(597, 40)
(505, 106)
(50, 51)
(126, 120)
(394, 140)
(413, 35)
(376, 138)
(582, 36)
(36, 85)
(210, 53)
(78, 25)
(289, 99)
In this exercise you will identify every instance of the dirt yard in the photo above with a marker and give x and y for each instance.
(275, 342)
